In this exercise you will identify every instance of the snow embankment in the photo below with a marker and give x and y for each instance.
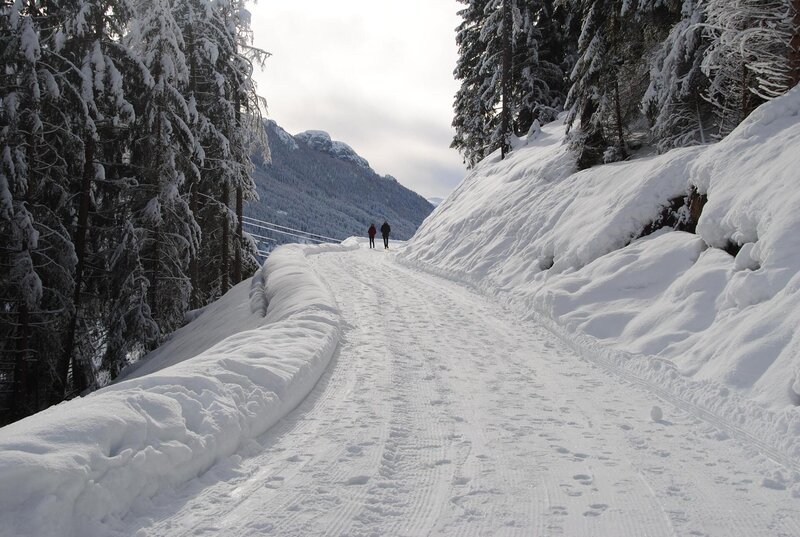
(78, 467)
(560, 244)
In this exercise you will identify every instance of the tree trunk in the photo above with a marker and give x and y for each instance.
(745, 93)
(237, 268)
(154, 269)
(225, 264)
(19, 402)
(194, 267)
(78, 377)
(618, 113)
(505, 114)
(239, 244)
(154, 273)
(794, 45)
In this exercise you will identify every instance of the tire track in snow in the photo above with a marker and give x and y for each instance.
(414, 446)
(530, 439)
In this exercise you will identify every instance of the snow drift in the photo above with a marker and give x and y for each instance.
(228, 376)
(561, 244)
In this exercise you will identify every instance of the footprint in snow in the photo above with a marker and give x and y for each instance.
(583, 479)
(559, 510)
(570, 491)
(596, 509)
(357, 480)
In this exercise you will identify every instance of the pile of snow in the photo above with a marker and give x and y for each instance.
(321, 141)
(557, 244)
(243, 364)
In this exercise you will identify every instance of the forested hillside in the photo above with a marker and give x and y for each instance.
(322, 186)
(126, 130)
(635, 76)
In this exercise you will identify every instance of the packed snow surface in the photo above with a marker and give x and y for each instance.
(221, 380)
(556, 243)
(441, 412)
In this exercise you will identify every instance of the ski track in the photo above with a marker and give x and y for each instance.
(442, 414)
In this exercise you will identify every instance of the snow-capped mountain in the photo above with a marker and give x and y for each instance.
(321, 141)
(323, 186)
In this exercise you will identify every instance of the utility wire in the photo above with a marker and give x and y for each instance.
(288, 228)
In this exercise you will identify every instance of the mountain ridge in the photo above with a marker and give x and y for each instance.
(317, 184)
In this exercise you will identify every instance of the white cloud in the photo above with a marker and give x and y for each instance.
(374, 74)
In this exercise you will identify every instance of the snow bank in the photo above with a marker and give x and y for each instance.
(243, 364)
(557, 243)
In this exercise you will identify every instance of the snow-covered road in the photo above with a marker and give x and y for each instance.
(442, 414)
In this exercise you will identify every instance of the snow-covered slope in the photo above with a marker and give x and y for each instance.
(557, 242)
(78, 467)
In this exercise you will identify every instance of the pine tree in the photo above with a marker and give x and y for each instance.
(510, 54)
(163, 144)
(36, 253)
(229, 127)
(673, 102)
(471, 115)
(541, 63)
(748, 59)
(91, 30)
(591, 99)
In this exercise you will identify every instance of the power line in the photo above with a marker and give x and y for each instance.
(288, 228)
(270, 239)
(285, 233)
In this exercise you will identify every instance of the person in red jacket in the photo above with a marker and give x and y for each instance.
(372, 231)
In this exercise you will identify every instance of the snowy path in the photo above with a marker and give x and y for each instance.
(443, 415)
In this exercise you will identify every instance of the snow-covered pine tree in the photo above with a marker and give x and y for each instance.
(748, 58)
(20, 129)
(509, 55)
(794, 45)
(542, 61)
(248, 136)
(591, 97)
(471, 115)
(673, 101)
(228, 120)
(612, 73)
(500, 31)
(104, 134)
(90, 41)
(36, 254)
(162, 146)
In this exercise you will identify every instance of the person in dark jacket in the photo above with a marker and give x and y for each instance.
(372, 231)
(385, 230)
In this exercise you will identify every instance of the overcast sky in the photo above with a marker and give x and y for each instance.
(375, 74)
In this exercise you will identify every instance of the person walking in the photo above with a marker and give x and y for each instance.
(385, 230)
(372, 231)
